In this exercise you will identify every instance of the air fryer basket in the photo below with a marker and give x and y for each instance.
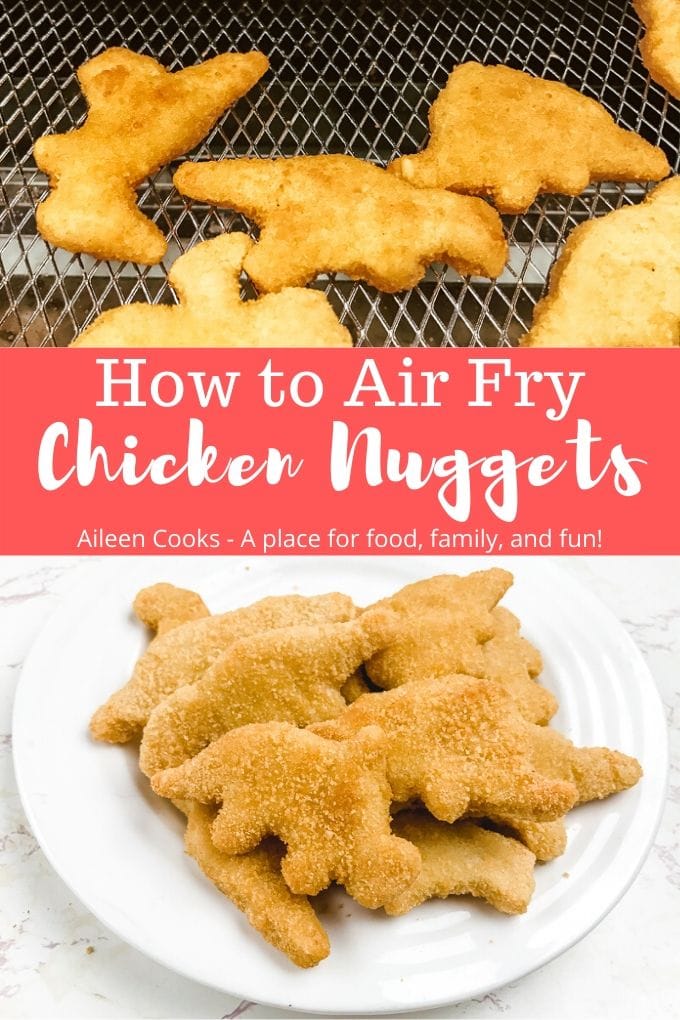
(345, 77)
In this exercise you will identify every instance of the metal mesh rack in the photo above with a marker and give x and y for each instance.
(345, 77)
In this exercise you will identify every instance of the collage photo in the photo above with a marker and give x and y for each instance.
(339, 565)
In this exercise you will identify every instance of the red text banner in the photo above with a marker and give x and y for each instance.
(293, 451)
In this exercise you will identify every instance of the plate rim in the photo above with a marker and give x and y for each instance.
(70, 597)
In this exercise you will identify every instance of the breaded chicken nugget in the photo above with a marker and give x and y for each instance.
(464, 859)
(329, 801)
(444, 620)
(547, 840)
(596, 776)
(482, 588)
(184, 653)
(162, 606)
(293, 674)
(514, 663)
(617, 281)
(460, 745)
(503, 133)
(660, 46)
(253, 882)
(211, 313)
(140, 116)
(321, 214)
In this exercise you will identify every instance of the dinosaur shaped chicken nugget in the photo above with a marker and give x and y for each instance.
(163, 606)
(293, 674)
(444, 620)
(596, 775)
(596, 772)
(182, 655)
(211, 313)
(140, 116)
(335, 213)
(500, 132)
(464, 859)
(460, 745)
(660, 46)
(514, 663)
(254, 882)
(327, 800)
(617, 281)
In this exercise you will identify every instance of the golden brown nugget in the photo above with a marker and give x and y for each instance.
(293, 674)
(444, 620)
(513, 662)
(660, 46)
(321, 214)
(162, 607)
(596, 772)
(182, 655)
(446, 591)
(617, 281)
(503, 133)
(254, 883)
(464, 859)
(435, 644)
(329, 801)
(459, 745)
(211, 313)
(547, 840)
(140, 116)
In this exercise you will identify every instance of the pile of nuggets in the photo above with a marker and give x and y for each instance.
(402, 751)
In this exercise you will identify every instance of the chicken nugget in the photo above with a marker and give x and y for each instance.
(464, 859)
(617, 281)
(329, 801)
(483, 588)
(444, 620)
(596, 772)
(511, 661)
(596, 775)
(547, 840)
(503, 133)
(322, 214)
(293, 674)
(162, 607)
(253, 882)
(140, 116)
(211, 313)
(460, 745)
(184, 653)
(660, 45)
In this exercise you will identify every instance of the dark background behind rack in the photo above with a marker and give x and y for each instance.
(345, 77)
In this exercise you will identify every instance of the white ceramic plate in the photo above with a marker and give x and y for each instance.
(119, 848)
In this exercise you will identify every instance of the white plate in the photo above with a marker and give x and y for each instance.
(119, 848)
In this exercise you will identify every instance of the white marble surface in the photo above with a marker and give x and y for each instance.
(56, 960)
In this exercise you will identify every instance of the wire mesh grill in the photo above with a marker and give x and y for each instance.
(345, 77)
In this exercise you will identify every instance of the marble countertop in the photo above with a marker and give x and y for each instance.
(56, 960)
